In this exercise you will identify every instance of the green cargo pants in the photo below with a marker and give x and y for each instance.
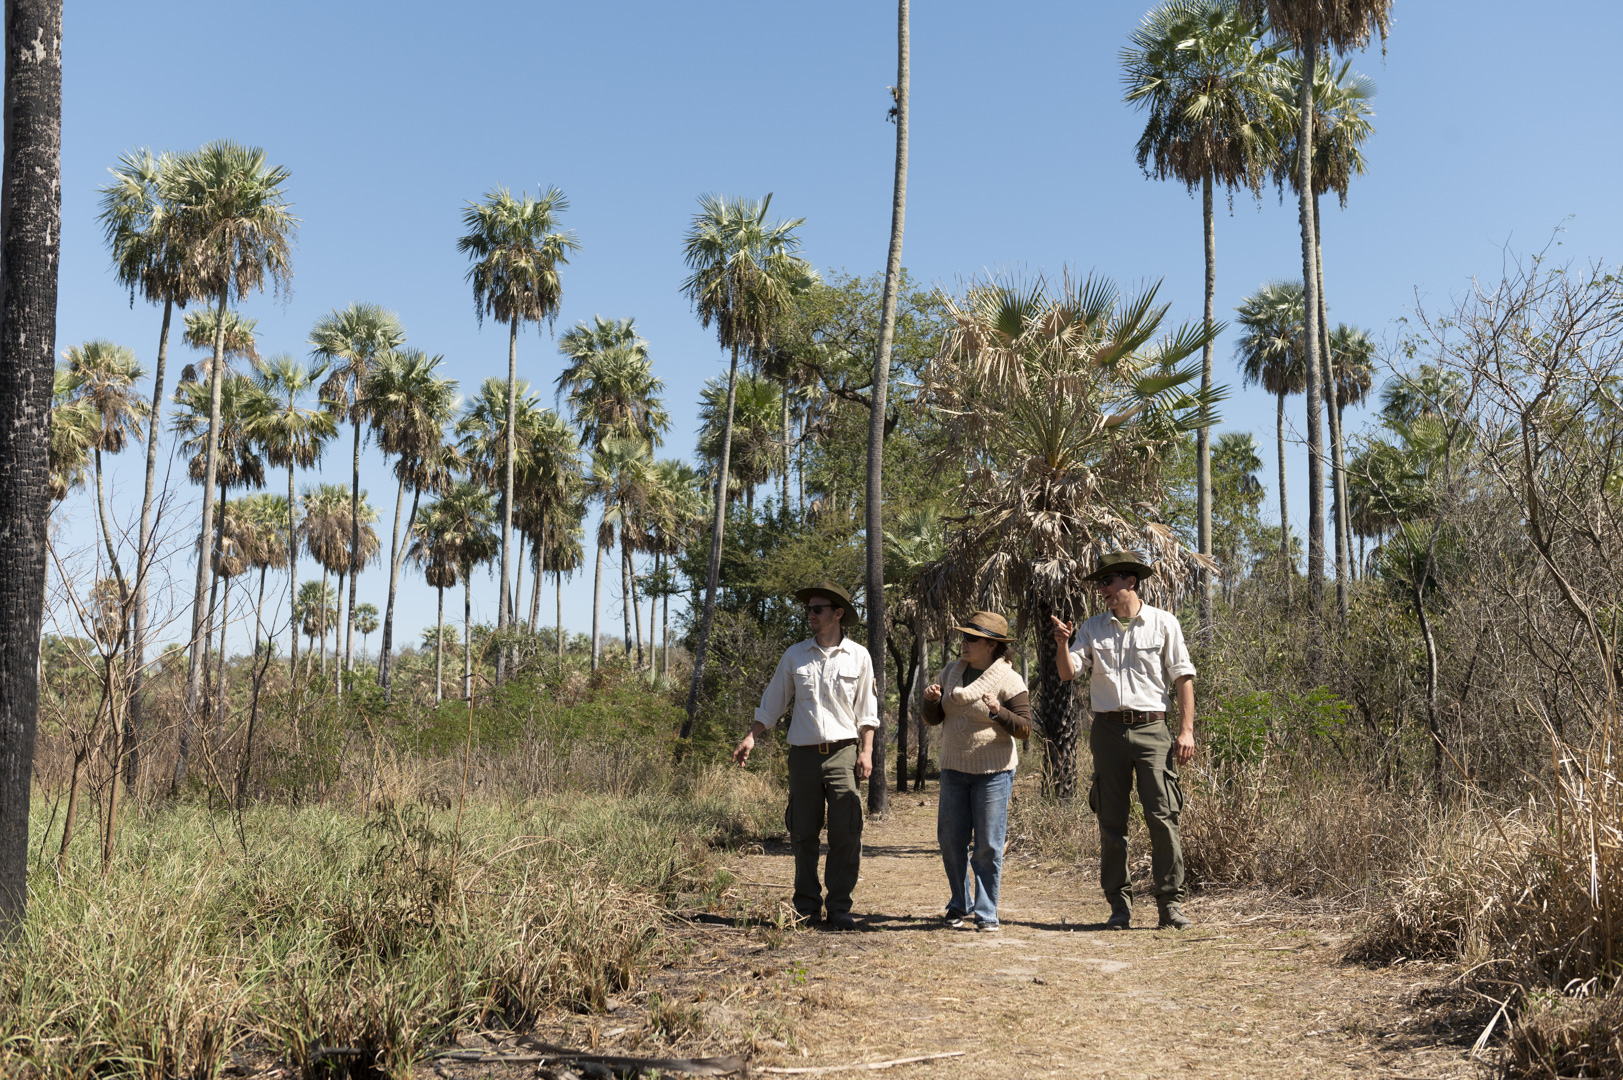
(1122, 752)
(817, 780)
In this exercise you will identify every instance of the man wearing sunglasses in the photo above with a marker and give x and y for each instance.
(1136, 655)
(828, 680)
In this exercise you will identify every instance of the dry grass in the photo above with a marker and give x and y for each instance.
(383, 931)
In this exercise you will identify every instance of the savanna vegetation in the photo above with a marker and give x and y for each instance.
(1410, 711)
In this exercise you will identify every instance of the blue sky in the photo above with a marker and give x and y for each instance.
(1490, 130)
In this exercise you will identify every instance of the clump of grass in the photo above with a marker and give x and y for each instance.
(385, 933)
(1557, 1036)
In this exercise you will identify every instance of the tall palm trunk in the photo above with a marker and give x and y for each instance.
(713, 569)
(338, 631)
(636, 605)
(143, 556)
(558, 591)
(112, 550)
(665, 637)
(467, 633)
(1310, 283)
(439, 649)
(30, 246)
(627, 601)
(208, 627)
(509, 453)
(292, 577)
(1203, 439)
(1284, 506)
(538, 573)
(218, 723)
(924, 736)
(878, 788)
(322, 622)
(205, 564)
(784, 398)
(1338, 468)
(1059, 708)
(395, 554)
(348, 623)
(597, 602)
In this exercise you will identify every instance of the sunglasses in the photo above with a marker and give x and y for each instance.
(818, 609)
(1111, 579)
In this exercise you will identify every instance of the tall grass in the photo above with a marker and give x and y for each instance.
(377, 932)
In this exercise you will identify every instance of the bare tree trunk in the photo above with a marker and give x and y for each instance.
(292, 580)
(70, 820)
(354, 557)
(1338, 469)
(395, 554)
(558, 592)
(713, 571)
(627, 601)
(1203, 439)
(211, 471)
(538, 574)
(636, 605)
(1061, 724)
(1310, 281)
(467, 633)
(509, 453)
(323, 622)
(597, 604)
(878, 789)
(261, 664)
(921, 646)
(665, 637)
(784, 391)
(1284, 506)
(143, 556)
(219, 682)
(439, 649)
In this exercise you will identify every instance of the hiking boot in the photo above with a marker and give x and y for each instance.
(1173, 918)
(841, 921)
(1121, 918)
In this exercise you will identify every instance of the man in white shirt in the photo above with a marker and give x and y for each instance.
(1135, 653)
(828, 679)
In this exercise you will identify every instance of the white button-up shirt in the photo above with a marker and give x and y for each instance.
(831, 691)
(1131, 668)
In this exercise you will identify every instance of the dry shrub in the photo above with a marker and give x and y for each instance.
(1557, 1038)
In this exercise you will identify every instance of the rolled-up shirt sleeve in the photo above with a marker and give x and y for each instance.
(867, 705)
(1175, 652)
(780, 694)
(1081, 657)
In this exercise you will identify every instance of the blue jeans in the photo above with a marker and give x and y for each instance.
(973, 805)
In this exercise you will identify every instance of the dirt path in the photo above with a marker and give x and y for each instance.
(1247, 992)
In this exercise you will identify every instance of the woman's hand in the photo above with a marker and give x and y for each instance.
(991, 705)
(932, 693)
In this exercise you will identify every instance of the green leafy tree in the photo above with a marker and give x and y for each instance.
(458, 531)
(755, 449)
(1237, 496)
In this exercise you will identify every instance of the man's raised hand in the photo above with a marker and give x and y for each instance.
(1063, 630)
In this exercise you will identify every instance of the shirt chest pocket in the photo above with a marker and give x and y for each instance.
(1142, 654)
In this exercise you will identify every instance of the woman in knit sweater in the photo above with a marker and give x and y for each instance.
(981, 703)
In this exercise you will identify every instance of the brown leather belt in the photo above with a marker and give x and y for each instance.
(1131, 717)
(824, 748)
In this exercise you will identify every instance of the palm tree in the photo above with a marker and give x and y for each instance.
(1236, 495)
(409, 405)
(353, 341)
(565, 552)
(230, 210)
(1341, 124)
(1351, 353)
(620, 477)
(239, 337)
(458, 531)
(73, 436)
(744, 275)
(1308, 26)
(327, 532)
(516, 250)
(1272, 354)
(755, 445)
(366, 621)
(1074, 396)
(482, 437)
(677, 515)
(553, 486)
(291, 436)
(316, 609)
(104, 378)
(610, 382)
(1199, 67)
(148, 257)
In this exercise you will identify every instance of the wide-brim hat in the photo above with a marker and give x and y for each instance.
(1122, 562)
(986, 624)
(831, 592)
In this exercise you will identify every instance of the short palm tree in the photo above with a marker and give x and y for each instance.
(1202, 72)
(610, 383)
(1308, 26)
(328, 532)
(912, 549)
(235, 229)
(1074, 392)
(240, 340)
(408, 404)
(316, 609)
(104, 377)
(366, 621)
(353, 341)
(458, 531)
(756, 451)
(73, 436)
(482, 439)
(676, 517)
(1236, 496)
(1272, 354)
(744, 275)
(516, 248)
(620, 478)
(553, 486)
(291, 436)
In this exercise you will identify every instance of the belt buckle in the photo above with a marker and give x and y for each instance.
(822, 748)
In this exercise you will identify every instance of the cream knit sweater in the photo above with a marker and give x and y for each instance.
(970, 741)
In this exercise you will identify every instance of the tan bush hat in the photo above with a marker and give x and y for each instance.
(986, 624)
(831, 592)
(1123, 562)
